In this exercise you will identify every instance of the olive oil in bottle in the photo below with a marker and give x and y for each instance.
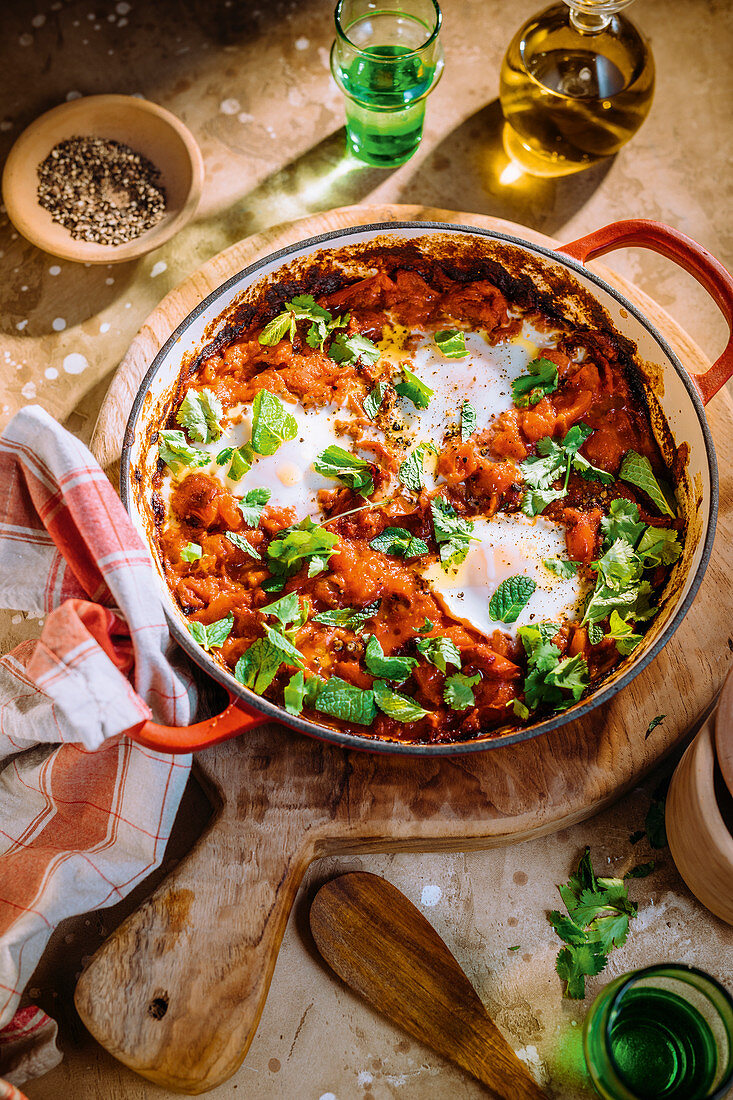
(576, 83)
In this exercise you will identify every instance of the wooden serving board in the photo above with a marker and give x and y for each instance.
(177, 991)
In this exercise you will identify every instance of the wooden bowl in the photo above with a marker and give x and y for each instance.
(146, 128)
(699, 839)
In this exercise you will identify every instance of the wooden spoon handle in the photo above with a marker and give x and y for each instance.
(385, 949)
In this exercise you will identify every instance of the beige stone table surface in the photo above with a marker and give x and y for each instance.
(251, 80)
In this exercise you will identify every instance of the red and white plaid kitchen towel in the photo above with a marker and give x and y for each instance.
(84, 814)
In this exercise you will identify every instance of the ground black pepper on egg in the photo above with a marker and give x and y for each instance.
(100, 190)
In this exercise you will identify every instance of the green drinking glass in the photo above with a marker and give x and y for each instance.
(661, 1033)
(386, 59)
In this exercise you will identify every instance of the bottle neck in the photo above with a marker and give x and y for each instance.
(587, 22)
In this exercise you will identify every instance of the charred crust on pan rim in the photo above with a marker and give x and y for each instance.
(353, 741)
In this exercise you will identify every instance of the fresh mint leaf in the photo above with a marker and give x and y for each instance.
(290, 655)
(529, 389)
(242, 544)
(441, 652)
(296, 545)
(410, 472)
(596, 633)
(452, 534)
(637, 470)
(458, 690)
(373, 400)
(387, 668)
(394, 705)
(452, 343)
(659, 546)
(622, 522)
(653, 725)
(294, 693)
(399, 542)
(241, 464)
(511, 598)
(561, 568)
(211, 635)
(414, 389)
(252, 504)
(271, 424)
(258, 666)
(200, 413)
(468, 420)
(275, 330)
(176, 451)
(349, 618)
(623, 634)
(191, 552)
(426, 627)
(347, 702)
(351, 470)
(353, 349)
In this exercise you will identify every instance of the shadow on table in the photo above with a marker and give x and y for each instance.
(469, 170)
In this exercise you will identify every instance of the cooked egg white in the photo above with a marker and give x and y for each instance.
(507, 546)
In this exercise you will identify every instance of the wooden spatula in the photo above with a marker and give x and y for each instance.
(385, 949)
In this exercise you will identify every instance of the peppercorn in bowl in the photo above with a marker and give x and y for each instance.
(103, 179)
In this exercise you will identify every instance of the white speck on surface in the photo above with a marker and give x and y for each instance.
(244, 116)
(123, 8)
(105, 326)
(158, 268)
(51, 372)
(21, 325)
(38, 20)
(16, 619)
(58, 324)
(109, 280)
(25, 40)
(123, 23)
(431, 895)
(91, 16)
(54, 269)
(23, 289)
(75, 363)
(328, 1096)
(302, 43)
(230, 106)
(6, 124)
(29, 390)
(364, 1078)
(112, 18)
(127, 305)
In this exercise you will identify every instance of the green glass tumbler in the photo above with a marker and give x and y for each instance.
(386, 59)
(661, 1033)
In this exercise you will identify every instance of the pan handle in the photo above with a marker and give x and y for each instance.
(179, 739)
(695, 259)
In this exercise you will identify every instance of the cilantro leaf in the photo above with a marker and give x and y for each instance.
(452, 534)
(242, 544)
(373, 400)
(535, 501)
(353, 349)
(622, 522)
(637, 470)
(211, 635)
(561, 568)
(458, 693)
(394, 705)
(410, 472)
(347, 702)
(511, 598)
(349, 618)
(414, 389)
(623, 634)
(288, 610)
(570, 675)
(552, 461)
(566, 928)
(452, 343)
(289, 654)
(176, 451)
(468, 420)
(191, 552)
(387, 668)
(441, 652)
(302, 307)
(199, 413)
(251, 505)
(575, 963)
(399, 542)
(300, 691)
(659, 546)
(641, 870)
(530, 388)
(295, 545)
(258, 666)
(653, 725)
(353, 471)
(547, 676)
(271, 424)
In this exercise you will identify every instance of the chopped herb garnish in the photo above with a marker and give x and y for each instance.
(529, 389)
(441, 652)
(654, 823)
(641, 870)
(414, 389)
(468, 420)
(623, 634)
(302, 307)
(242, 544)
(200, 413)
(554, 461)
(622, 522)
(511, 598)
(211, 635)
(387, 668)
(251, 505)
(452, 534)
(353, 349)
(300, 691)
(619, 586)
(241, 464)
(191, 552)
(659, 546)
(296, 545)
(653, 725)
(520, 710)
(458, 690)
(176, 451)
(258, 666)
(289, 612)
(426, 627)
(271, 424)
(373, 400)
(290, 655)
(397, 706)
(548, 677)
(399, 542)
(410, 472)
(351, 470)
(349, 618)
(637, 470)
(561, 568)
(347, 702)
(452, 343)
